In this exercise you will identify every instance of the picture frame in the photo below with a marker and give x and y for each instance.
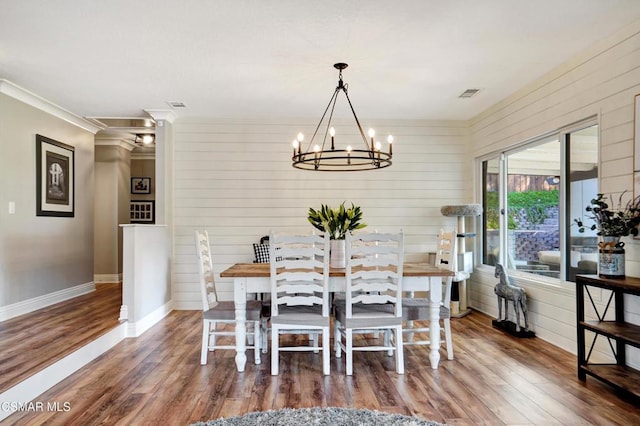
(141, 185)
(142, 211)
(55, 180)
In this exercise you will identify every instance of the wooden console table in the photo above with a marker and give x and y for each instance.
(618, 332)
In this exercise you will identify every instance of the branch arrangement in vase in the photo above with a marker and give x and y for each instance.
(610, 222)
(336, 221)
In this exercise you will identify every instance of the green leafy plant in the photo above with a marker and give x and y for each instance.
(532, 203)
(336, 221)
(612, 222)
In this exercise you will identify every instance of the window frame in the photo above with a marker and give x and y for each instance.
(563, 136)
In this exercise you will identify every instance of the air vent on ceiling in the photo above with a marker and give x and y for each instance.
(177, 104)
(468, 93)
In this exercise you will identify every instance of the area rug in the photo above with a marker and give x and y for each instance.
(329, 416)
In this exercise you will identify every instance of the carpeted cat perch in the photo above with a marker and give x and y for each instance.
(461, 211)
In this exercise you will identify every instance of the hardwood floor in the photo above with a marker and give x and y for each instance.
(34, 341)
(494, 380)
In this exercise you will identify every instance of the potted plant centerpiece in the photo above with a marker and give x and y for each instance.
(611, 224)
(337, 222)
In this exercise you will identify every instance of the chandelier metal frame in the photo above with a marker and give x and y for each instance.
(316, 157)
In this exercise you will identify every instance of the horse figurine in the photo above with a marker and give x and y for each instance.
(506, 291)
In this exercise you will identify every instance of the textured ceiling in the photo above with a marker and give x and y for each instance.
(241, 58)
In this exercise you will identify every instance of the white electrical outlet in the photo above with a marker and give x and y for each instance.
(12, 207)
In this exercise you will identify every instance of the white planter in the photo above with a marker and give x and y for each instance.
(611, 257)
(337, 258)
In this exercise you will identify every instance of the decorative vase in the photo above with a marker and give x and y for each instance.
(337, 256)
(611, 257)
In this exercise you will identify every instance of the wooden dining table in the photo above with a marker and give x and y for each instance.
(249, 278)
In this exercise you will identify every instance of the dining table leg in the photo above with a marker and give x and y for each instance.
(435, 298)
(240, 299)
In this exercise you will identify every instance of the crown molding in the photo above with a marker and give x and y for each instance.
(162, 114)
(115, 141)
(30, 98)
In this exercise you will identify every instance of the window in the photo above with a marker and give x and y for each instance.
(531, 194)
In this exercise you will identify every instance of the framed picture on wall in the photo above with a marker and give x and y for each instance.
(54, 178)
(142, 211)
(141, 185)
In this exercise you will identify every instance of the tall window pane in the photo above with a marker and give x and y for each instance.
(582, 188)
(532, 211)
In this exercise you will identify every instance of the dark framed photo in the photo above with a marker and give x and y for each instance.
(54, 178)
(142, 211)
(141, 185)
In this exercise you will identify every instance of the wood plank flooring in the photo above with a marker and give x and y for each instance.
(34, 341)
(494, 380)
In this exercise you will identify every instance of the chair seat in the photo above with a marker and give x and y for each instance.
(226, 311)
(416, 309)
(308, 315)
(362, 313)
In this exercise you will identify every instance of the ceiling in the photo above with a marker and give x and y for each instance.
(241, 58)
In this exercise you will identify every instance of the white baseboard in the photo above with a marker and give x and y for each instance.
(137, 328)
(29, 389)
(107, 278)
(30, 305)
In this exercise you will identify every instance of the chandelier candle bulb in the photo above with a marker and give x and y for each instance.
(332, 132)
(390, 140)
(296, 146)
(348, 154)
(372, 133)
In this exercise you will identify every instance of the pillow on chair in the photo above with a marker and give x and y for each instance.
(261, 252)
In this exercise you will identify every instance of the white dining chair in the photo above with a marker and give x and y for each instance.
(415, 311)
(373, 296)
(215, 312)
(299, 271)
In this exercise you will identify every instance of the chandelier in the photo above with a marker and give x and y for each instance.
(325, 156)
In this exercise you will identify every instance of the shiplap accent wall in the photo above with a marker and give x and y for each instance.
(602, 82)
(234, 178)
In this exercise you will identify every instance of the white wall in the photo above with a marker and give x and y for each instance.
(234, 178)
(601, 82)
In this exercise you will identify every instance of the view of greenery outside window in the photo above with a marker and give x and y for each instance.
(527, 229)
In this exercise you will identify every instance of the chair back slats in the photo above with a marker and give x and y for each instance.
(368, 299)
(374, 270)
(298, 251)
(205, 266)
(299, 266)
(300, 300)
(370, 285)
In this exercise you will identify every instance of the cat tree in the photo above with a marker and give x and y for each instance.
(465, 258)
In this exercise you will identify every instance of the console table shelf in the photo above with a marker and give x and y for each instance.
(617, 376)
(620, 333)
